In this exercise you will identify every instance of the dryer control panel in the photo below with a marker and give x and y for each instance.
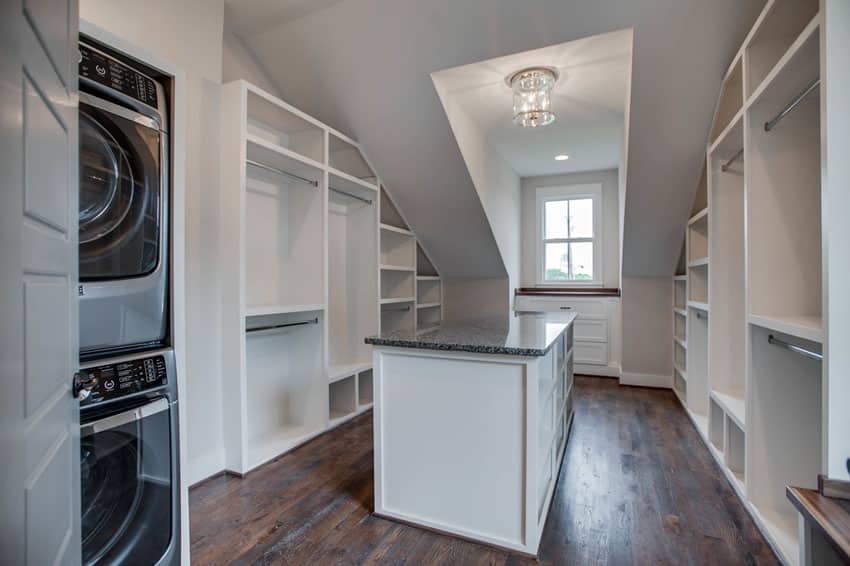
(105, 70)
(125, 378)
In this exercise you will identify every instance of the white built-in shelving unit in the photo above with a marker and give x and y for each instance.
(411, 290)
(748, 331)
(301, 211)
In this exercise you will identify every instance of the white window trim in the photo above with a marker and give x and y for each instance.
(586, 190)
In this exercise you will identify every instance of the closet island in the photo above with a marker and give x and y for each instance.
(471, 421)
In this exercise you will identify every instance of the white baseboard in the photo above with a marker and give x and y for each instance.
(646, 380)
(611, 370)
(203, 466)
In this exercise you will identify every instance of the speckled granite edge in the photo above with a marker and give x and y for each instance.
(449, 347)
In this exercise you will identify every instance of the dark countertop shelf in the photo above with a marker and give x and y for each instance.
(829, 515)
(520, 334)
(568, 291)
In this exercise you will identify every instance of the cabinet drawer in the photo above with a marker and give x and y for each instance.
(591, 329)
(593, 353)
(549, 304)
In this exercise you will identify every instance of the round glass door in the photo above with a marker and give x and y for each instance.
(106, 181)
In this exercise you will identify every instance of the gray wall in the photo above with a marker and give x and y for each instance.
(610, 221)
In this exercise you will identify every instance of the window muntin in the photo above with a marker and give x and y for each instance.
(569, 249)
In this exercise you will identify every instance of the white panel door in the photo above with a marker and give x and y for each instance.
(39, 419)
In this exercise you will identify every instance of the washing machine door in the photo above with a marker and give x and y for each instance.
(120, 194)
(128, 486)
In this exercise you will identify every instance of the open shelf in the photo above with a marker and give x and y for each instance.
(784, 435)
(396, 229)
(282, 125)
(365, 394)
(424, 267)
(342, 398)
(284, 386)
(352, 279)
(386, 267)
(784, 194)
(285, 237)
(428, 291)
(732, 405)
(698, 237)
(397, 285)
(698, 305)
(390, 215)
(350, 191)
(680, 357)
(680, 312)
(715, 425)
(345, 157)
(778, 28)
(805, 327)
(339, 371)
(730, 102)
(397, 300)
(680, 384)
(735, 451)
(698, 283)
(265, 310)
(399, 317)
(680, 329)
(680, 287)
(398, 249)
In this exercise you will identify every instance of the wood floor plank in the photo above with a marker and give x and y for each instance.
(637, 486)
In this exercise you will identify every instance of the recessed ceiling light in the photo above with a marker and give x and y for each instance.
(562, 157)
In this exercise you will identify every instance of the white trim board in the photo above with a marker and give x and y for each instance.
(646, 380)
(178, 260)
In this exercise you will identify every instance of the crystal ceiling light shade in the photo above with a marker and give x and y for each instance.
(532, 90)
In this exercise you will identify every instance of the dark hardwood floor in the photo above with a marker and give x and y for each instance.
(637, 487)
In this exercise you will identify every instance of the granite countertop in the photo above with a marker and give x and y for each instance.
(518, 334)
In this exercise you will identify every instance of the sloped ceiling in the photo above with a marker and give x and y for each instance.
(364, 66)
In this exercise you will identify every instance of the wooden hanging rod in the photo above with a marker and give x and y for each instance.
(355, 197)
(791, 106)
(284, 325)
(794, 348)
(733, 159)
(283, 173)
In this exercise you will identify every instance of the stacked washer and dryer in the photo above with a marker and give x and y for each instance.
(128, 386)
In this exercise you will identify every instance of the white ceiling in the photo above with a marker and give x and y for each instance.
(589, 102)
(364, 67)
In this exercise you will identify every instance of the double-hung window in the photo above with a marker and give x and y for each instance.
(569, 243)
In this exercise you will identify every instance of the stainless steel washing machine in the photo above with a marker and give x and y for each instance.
(124, 206)
(130, 473)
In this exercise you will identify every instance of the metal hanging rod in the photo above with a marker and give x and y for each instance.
(355, 197)
(794, 348)
(286, 174)
(732, 160)
(791, 106)
(284, 325)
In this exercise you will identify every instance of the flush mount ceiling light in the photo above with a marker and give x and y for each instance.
(562, 157)
(532, 90)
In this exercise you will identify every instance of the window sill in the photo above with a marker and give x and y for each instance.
(568, 291)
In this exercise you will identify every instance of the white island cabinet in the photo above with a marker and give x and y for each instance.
(471, 421)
